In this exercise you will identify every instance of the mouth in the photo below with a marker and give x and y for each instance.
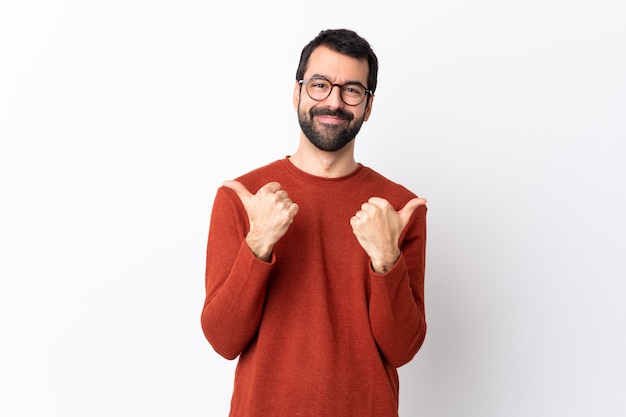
(331, 117)
(330, 120)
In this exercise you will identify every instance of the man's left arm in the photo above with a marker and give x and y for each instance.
(395, 243)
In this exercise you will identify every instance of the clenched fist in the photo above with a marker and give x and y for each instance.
(270, 212)
(377, 227)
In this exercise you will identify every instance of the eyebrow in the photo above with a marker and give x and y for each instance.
(347, 82)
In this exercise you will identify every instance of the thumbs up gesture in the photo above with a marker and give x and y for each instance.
(377, 227)
(270, 212)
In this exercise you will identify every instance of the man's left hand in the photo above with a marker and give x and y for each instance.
(377, 227)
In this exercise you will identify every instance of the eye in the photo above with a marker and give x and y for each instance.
(353, 90)
(319, 84)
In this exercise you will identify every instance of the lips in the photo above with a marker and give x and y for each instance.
(334, 116)
(331, 119)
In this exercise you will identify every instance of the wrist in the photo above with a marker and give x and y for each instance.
(259, 248)
(384, 264)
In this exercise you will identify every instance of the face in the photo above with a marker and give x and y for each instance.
(331, 124)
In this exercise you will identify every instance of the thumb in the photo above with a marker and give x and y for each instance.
(239, 188)
(408, 209)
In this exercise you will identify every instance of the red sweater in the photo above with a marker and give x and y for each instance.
(318, 333)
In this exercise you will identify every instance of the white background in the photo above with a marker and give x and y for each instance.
(119, 119)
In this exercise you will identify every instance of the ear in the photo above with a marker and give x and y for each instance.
(368, 107)
(296, 95)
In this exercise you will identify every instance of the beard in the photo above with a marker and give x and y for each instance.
(329, 138)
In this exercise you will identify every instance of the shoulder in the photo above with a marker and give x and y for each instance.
(252, 180)
(390, 189)
(255, 179)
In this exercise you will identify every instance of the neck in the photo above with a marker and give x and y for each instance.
(325, 164)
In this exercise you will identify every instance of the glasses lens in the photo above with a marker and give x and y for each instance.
(318, 88)
(353, 94)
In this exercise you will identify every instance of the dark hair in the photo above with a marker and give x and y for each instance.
(346, 42)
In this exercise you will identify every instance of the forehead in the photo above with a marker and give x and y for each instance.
(336, 67)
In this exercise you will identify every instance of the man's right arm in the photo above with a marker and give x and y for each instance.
(244, 228)
(235, 279)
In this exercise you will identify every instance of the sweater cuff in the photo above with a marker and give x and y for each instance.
(397, 269)
(245, 249)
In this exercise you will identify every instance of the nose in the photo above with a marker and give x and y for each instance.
(334, 99)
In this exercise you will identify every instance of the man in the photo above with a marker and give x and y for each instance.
(315, 263)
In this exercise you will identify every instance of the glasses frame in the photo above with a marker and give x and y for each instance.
(368, 92)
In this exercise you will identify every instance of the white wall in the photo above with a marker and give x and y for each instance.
(119, 119)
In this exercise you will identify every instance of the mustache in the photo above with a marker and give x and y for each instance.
(329, 112)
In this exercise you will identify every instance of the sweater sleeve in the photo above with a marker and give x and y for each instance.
(235, 279)
(397, 313)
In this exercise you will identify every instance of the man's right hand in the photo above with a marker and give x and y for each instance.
(270, 212)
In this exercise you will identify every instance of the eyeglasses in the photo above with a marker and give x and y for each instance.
(319, 88)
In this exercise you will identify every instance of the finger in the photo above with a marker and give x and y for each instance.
(378, 202)
(373, 205)
(293, 209)
(408, 209)
(270, 187)
(354, 220)
(239, 188)
(282, 194)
